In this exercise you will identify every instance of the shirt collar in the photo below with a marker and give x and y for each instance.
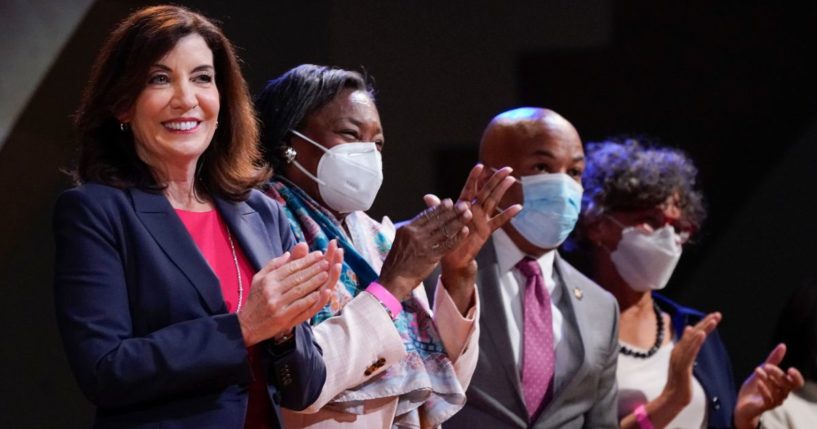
(508, 255)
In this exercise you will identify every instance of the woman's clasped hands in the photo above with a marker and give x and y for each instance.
(288, 291)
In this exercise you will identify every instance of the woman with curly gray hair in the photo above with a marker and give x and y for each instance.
(641, 204)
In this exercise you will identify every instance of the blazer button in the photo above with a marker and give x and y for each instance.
(374, 366)
(716, 403)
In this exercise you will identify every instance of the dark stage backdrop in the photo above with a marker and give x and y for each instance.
(730, 83)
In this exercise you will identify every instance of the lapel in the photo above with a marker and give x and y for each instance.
(158, 217)
(495, 329)
(570, 360)
(246, 225)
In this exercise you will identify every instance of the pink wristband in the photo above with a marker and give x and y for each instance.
(390, 303)
(642, 417)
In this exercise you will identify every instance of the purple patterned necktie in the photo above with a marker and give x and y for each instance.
(538, 357)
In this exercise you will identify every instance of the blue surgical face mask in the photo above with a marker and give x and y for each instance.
(551, 209)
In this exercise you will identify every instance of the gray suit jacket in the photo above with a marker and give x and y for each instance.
(584, 389)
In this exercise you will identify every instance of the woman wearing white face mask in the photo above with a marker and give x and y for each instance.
(640, 206)
(390, 359)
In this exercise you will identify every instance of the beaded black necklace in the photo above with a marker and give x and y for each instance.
(659, 338)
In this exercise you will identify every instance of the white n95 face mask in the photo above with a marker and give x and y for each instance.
(550, 210)
(646, 260)
(349, 175)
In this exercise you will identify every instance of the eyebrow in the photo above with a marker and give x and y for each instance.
(355, 122)
(203, 67)
(543, 152)
(549, 154)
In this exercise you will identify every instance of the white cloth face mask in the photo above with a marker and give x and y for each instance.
(349, 175)
(646, 260)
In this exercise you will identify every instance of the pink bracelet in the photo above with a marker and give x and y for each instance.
(642, 417)
(390, 303)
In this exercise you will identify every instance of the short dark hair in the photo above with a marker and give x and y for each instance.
(230, 166)
(797, 327)
(629, 174)
(286, 102)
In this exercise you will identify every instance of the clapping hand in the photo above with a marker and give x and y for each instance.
(421, 243)
(288, 291)
(765, 389)
(482, 193)
(679, 379)
(677, 393)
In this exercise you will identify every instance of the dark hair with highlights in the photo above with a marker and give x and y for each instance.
(286, 102)
(230, 166)
(628, 174)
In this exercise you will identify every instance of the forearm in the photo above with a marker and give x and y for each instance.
(298, 370)
(360, 335)
(660, 411)
(744, 421)
(457, 331)
(460, 284)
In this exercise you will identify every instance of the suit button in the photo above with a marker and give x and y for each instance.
(716, 403)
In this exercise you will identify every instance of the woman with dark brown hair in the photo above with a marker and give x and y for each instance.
(180, 291)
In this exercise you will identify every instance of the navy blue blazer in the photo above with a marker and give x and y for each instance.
(144, 325)
(712, 366)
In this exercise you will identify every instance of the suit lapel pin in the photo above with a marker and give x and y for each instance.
(578, 293)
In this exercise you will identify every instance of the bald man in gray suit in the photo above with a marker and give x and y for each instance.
(580, 391)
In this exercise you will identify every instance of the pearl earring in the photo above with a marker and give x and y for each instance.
(289, 154)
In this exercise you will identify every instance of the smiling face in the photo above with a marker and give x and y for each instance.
(349, 118)
(175, 116)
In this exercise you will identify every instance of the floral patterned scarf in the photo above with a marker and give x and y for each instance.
(425, 380)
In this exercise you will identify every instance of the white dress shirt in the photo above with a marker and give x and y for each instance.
(512, 284)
